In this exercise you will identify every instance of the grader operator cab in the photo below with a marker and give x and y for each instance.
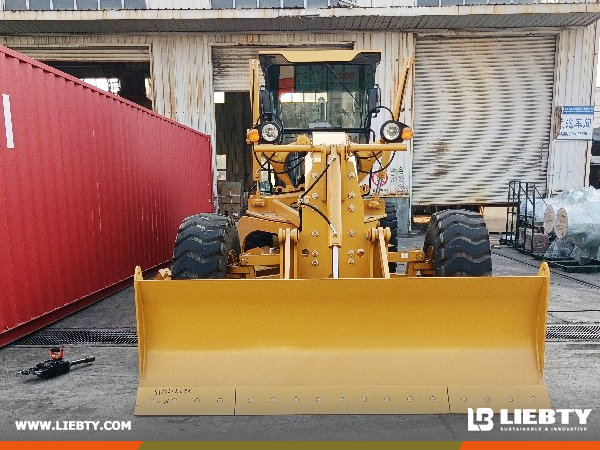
(294, 309)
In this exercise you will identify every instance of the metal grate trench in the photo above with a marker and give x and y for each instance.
(128, 338)
(572, 332)
(98, 338)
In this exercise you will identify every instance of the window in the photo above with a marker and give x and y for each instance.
(221, 167)
(475, 2)
(245, 4)
(63, 5)
(39, 5)
(87, 4)
(219, 97)
(110, 4)
(15, 5)
(320, 95)
(70, 5)
(134, 4)
(111, 85)
(268, 4)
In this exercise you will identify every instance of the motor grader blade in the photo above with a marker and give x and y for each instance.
(341, 346)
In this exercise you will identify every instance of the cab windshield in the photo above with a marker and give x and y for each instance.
(320, 96)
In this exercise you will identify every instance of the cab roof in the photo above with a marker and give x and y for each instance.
(285, 57)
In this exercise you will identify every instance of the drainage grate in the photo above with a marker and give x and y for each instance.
(80, 337)
(128, 338)
(572, 332)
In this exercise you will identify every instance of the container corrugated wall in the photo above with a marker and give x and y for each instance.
(91, 185)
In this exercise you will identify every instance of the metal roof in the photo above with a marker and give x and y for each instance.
(326, 20)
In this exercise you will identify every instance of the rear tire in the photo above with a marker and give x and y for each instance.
(461, 244)
(205, 246)
(391, 221)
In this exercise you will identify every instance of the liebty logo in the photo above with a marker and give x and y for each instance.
(482, 419)
(483, 415)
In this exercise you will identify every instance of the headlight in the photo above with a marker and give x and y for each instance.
(269, 132)
(392, 131)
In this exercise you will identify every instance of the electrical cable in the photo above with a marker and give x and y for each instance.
(381, 169)
(329, 163)
(373, 155)
(318, 178)
(376, 111)
(287, 171)
(319, 212)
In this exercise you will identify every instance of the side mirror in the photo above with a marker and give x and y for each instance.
(374, 97)
(266, 102)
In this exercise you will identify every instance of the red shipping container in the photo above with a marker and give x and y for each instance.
(91, 185)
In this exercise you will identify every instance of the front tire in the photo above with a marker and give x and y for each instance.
(460, 244)
(205, 246)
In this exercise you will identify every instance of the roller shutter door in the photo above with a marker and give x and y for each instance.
(482, 117)
(231, 71)
(117, 53)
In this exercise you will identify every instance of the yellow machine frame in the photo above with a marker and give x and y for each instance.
(321, 326)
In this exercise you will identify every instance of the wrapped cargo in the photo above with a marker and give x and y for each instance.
(533, 210)
(569, 197)
(560, 249)
(579, 224)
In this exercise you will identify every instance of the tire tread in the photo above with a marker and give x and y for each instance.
(202, 246)
(461, 245)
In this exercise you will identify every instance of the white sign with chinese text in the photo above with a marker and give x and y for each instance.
(576, 123)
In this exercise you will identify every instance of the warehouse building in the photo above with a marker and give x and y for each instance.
(486, 94)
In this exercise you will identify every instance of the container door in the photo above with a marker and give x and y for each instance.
(482, 117)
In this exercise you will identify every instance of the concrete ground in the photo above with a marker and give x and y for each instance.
(105, 390)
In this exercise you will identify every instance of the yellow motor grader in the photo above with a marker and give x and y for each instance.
(298, 309)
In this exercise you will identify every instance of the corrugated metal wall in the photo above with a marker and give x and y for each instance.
(171, 55)
(574, 85)
(178, 4)
(394, 47)
(87, 53)
(90, 186)
(182, 69)
(182, 73)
